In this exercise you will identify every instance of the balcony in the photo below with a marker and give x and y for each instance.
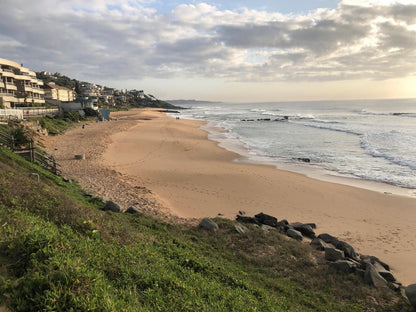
(8, 97)
(10, 86)
(8, 73)
(22, 77)
(28, 88)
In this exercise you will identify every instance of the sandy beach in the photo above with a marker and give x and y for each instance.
(169, 167)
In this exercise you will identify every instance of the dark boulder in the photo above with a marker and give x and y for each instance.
(303, 159)
(209, 225)
(329, 239)
(319, 244)
(410, 292)
(111, 206)
(372, 259)
(344, 266)
(387, 275)
(373, 278)
(312, 225)
(294, 234)
(132, 210)
(245, 219)
(305, 229)
(332, 254)
(347, 249)
(266, 219)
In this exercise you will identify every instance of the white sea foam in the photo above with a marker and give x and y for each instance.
(371, 140)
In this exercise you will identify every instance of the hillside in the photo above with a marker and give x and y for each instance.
(105, 96)
(59, 252)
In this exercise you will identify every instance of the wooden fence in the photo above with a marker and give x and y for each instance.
(28, 150)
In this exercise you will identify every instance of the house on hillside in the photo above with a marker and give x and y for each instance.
(107, 95)
(80, 104)
(55, 92)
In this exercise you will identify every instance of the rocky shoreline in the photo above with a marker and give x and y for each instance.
(337, 253)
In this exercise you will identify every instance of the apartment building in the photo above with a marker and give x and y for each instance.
(19, 86)
(55, 92)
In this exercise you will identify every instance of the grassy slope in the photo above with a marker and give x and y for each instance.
(59, 252)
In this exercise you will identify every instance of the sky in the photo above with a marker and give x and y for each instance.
(235, 51)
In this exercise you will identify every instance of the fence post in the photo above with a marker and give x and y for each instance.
(12, 143)
(32, 151)
(54, 164)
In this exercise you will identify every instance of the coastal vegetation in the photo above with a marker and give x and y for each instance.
(59, 251)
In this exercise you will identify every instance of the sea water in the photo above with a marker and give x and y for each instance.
(372, 140)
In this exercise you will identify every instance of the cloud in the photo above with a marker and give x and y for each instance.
(128, 39)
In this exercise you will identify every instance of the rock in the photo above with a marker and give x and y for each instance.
(360, 273)
(241, 228)
(283, 222)
(387, 275)
(312, 225)
(372, 277)
(111, 206)
(220, 214)
(397, 287)
(266, 219)
(267, 228)
(294, 234)
(132, 210)
(305, 229)
(344, 266)
(327, 238)
(373, 260)
(319, 244)
(241, 213)
(209, 225)
(245, 219)
(347, 249)
(410, 292)
(333, 254)
(81, 156)
(282, 226)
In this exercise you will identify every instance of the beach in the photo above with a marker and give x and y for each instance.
(168, 167)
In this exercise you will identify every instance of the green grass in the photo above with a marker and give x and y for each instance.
(56, 125)
(60, 252)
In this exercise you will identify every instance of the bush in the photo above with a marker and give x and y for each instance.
(89, 112)
(73, 116)
(20, 135)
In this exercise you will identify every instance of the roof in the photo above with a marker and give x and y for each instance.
(55, 86)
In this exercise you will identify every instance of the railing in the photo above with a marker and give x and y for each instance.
(11, 114)
(29, 112)
(28, 150)
(7, 94)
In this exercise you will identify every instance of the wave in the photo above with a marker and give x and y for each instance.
(332, 126)
(398, 114)
(396, 147)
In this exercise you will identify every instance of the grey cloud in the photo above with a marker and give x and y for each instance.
(98, 44)
(322, 37)
(396, 36)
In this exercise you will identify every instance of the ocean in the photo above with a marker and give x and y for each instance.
(368, 140)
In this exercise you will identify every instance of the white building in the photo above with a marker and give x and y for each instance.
(19, 86)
